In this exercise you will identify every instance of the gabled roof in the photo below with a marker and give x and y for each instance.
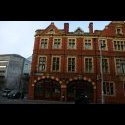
(79, 31)
(51, 29)
(110, 29)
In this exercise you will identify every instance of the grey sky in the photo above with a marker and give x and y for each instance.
(17, 37)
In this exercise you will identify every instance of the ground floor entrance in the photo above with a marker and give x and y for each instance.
(50, 89)
(47, 89)
(78, 88)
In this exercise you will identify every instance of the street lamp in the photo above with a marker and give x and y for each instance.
(101, 70)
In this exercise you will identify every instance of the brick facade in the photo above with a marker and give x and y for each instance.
(112, 94)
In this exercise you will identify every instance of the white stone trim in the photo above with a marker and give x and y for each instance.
(59, 63)
(75, 64)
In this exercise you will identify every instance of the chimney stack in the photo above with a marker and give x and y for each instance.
(66, 27)
(91, 27)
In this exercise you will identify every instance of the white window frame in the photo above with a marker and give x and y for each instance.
(45, 64)
(120, 31)
(88, 39)
(59, 63)
(41, 43)
(117, 73)
(68, 47)
(103, 39)
(114, 92)
(108, 66)
(118, 40)
(75, 64)
(85, 64)
(60, 43)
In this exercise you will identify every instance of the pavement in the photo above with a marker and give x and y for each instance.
(5, 100)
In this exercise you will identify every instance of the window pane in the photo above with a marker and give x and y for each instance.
(108, 88)
(42, 64)
(88, 65)
(71, 64)
(55, 64)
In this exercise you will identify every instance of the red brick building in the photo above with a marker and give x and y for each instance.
(67, 64)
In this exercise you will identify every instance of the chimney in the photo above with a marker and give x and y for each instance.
(66, 27)
(91, 27)
(52, 23)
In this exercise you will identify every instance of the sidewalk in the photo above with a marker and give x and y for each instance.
(4, 100)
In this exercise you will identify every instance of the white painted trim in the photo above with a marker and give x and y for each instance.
(54, 41)
(75, 64)
(59, 63)
(114, 88)
(120, 40)
(100, 39)
(68, 43)
(119, 27)
(108, 66)
(84, 41)
(38, 63)
(41, 42)
(88, 57)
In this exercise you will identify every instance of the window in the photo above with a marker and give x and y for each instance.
(88, 44)
(1, 71)
(52, 31)
(42, 64)
(71, 44)
(105, 66)
(108, 88)
(119, 45)
(56, 64)
(88, 65)
(71, 64)
(118, 31)
(103, 44)
(44, 43)
(120, 66)
(57, 44)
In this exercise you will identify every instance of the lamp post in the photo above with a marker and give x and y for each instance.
(101, 71)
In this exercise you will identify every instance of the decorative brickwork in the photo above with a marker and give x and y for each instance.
(79, 65)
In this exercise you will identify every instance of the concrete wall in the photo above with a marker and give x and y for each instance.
(14, 72)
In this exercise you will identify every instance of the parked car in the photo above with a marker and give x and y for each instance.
(5, 92)
(17, 95)
(14, 94)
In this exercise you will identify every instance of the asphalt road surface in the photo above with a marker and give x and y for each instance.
(4, 100)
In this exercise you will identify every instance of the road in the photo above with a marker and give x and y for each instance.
(4, 100)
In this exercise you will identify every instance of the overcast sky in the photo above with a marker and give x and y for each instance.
(17, 37)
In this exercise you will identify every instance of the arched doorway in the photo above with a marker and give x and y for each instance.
(47, 89)
(76, 88)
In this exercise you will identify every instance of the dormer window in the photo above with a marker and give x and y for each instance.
(79, 31)
(52, 31)
(118, 31)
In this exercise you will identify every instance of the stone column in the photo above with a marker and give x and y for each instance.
(63, 92)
